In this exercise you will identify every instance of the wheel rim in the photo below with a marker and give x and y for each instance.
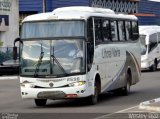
(95, 96)
(128, 86)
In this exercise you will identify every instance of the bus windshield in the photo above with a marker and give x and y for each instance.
(143, 44)
(43, 29)
(52, 57)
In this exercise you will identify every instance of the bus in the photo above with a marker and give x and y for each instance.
(150, 46)
(78, 52)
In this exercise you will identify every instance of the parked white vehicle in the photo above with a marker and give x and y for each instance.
(150, 47)
(77, 52)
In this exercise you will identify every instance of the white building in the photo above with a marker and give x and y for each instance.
(9, 22)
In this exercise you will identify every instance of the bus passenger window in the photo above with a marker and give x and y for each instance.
(114, 31)
(135, 33)
(158, 37)
(98, 30)
(90, 30)
(121, 31)
(128, 30)
(152, 41)
(106, 30)
(90, 44)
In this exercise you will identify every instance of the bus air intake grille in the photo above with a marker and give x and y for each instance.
(51, 95)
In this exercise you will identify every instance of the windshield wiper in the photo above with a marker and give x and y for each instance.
(61, 67)
(39, 62)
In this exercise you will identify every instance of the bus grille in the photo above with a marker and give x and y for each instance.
(51, 95)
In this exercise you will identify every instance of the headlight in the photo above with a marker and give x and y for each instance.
(80, 83)
(28, 85)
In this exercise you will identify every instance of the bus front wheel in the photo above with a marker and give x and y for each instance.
(154, 66)
(94, 98)
(40, 102)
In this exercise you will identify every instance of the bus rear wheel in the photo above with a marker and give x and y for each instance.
(126, 90)
(40, 102)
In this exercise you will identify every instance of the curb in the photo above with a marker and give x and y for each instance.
(9, 77)
(147, 105)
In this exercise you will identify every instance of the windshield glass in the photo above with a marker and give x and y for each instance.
(52, 57)
(51, 29)
(143, 44)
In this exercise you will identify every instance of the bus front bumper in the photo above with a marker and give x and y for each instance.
(145, 65)
(55, 93)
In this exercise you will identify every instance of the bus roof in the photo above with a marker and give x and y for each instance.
(148, 30)
(83, 9)
(77, 12)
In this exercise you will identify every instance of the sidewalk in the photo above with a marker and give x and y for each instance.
(151, 105)
(9, 77)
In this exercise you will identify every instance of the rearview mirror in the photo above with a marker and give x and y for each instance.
(15, 54)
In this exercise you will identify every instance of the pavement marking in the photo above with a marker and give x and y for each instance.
(147, 105)
(120, 111)
(9, 77)
(137, 111)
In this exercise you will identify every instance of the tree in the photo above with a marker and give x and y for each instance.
(1, 43)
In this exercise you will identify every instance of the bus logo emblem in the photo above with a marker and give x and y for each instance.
(51, 84)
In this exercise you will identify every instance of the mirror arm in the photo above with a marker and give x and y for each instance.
(15, 48)
(17, 39)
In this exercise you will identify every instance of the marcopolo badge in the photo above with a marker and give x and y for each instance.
(51, 84)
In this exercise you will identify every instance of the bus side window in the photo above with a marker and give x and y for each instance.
(90, 30)
(98, 30)
(128, 30)
(106, 30)
(114, 33)
(90, 44)
(121, 30)
(152, 41)
(135, 33)
(158, 37)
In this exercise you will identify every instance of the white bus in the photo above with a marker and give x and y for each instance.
(150, 47)
(76, 52)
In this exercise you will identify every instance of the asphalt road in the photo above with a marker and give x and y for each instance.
(11, 103)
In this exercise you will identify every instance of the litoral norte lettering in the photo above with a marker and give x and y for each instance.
(113, 52)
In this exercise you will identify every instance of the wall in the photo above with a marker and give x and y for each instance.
(36, 5)
(64, 3)
(145, 7)
(149, 7)
(9, 29)
(30, 5)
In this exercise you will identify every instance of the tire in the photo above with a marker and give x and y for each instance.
(40, 102)
(94, 98)
(126, 90)
(154, 66)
